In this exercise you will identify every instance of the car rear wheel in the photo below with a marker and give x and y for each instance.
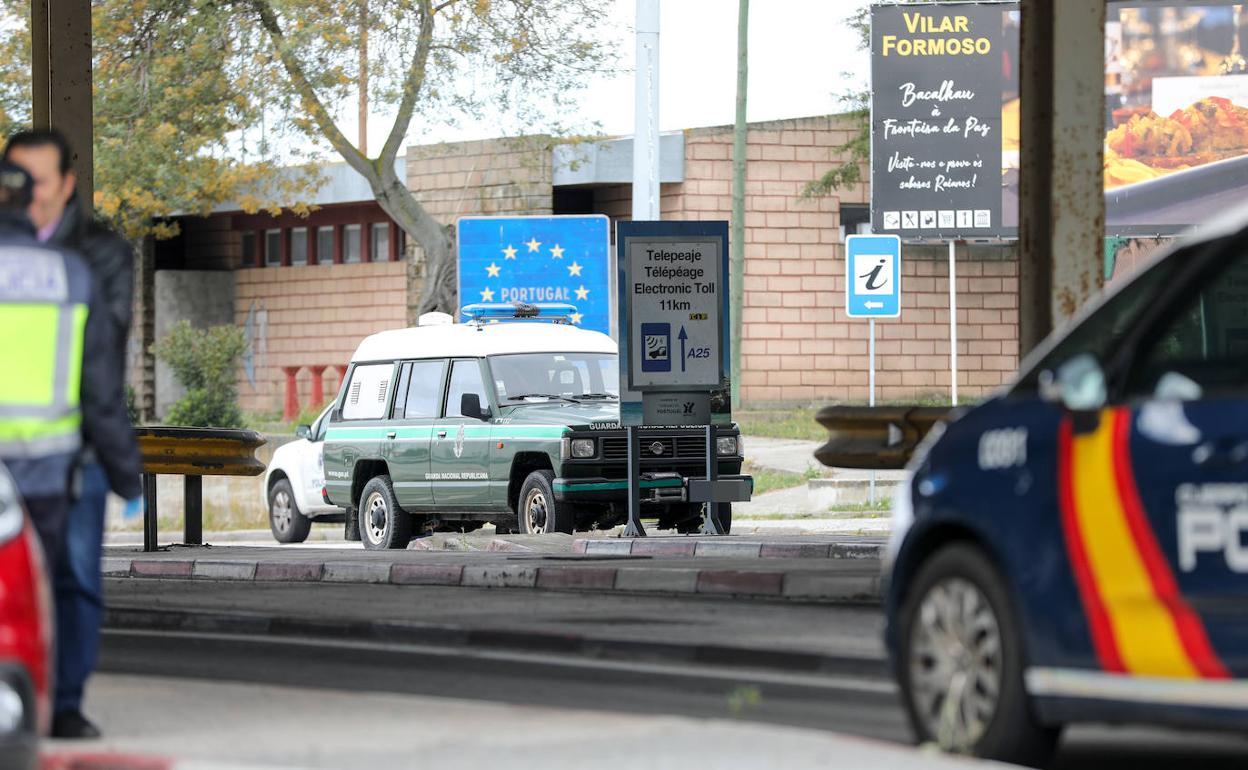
(961, 663)
(539, 513)
(383, 524)
(286, 522)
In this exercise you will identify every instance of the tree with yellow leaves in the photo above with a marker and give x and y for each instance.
(174, 95)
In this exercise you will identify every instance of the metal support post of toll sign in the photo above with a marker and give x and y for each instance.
(634, 527)
(872, 290)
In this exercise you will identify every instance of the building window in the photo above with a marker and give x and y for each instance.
(380, 243)
(325, 245)
(249, 249)
(273, 248)
(351, 243)
(299, 246)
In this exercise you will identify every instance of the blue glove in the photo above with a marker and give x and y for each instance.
(132, 509)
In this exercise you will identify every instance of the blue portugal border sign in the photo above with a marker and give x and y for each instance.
(539, 259)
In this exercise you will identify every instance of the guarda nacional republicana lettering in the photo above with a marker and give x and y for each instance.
(925, 25)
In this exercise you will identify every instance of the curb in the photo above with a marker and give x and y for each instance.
(688, 547)
(804, 585)
(433, 635)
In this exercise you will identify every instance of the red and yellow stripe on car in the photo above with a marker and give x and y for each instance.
(1138, 620)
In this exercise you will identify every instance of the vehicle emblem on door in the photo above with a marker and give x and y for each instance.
(459, 442)
(656, 448)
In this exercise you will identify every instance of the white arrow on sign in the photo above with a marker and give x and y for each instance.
(874, 305)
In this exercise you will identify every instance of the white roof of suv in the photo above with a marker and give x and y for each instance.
(473, 341)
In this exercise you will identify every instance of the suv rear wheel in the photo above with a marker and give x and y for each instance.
(961, 663)
(383, 524)
(538, 511)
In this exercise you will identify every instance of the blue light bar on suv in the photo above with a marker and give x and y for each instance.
(483, 312)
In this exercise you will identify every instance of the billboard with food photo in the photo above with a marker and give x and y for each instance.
(1176, 115)
(1176, 144)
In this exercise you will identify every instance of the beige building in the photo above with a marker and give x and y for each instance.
(306, 290)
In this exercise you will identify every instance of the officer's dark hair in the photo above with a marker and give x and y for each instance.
(42, 137)
(16, 188)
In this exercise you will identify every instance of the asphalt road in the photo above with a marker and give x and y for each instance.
(859, 703)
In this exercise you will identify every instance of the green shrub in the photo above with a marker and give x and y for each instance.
(205, 362)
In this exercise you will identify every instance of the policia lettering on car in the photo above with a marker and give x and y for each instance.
(452, 426)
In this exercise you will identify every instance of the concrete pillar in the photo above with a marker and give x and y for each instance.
(316, 393)
(1061, 189)
(290, 407)
(60, 48)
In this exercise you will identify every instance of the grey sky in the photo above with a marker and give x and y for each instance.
(799, 50)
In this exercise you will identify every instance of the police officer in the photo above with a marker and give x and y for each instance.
(60, 219)
(63, 382)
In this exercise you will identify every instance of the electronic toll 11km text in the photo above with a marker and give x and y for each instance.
(696, 288)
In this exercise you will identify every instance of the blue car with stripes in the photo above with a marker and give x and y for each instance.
(1075, 547)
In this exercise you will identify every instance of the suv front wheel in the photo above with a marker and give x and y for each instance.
(538, 511)
(383, 524)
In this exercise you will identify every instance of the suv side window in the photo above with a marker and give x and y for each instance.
(424, 392)
(465, 378)
(368, 392)
(1205, 342)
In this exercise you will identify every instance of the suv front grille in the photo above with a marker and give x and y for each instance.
(679, 447)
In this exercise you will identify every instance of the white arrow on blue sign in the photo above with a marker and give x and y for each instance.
(873, 276)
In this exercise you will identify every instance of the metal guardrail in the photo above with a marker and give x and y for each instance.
(192, 453)
(874, 437)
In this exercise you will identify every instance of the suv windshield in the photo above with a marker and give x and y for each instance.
(555, 376)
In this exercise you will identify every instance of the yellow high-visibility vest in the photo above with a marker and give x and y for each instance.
(43, 317)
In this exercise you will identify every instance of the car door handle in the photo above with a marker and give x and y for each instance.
(1221, 454)
(441, 434)
(391, 434)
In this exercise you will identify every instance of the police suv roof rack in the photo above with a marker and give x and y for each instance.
(493, 312)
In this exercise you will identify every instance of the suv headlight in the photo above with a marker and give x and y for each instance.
(584, 448)
(727, 445)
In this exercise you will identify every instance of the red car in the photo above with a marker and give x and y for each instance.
(26, 631)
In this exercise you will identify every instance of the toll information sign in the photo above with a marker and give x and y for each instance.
(673, 288)
(673, 324)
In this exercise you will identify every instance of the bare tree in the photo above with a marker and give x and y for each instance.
(518, 61)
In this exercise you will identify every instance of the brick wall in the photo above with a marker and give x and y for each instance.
(312, 316)
(798, 346)
(488, 177)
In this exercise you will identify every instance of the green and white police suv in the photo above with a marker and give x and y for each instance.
(511, 418)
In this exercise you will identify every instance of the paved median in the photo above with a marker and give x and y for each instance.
(839, 572)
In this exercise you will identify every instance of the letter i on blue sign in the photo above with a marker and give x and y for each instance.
(656, 347)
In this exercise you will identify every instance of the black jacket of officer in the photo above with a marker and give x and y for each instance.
(111, 261)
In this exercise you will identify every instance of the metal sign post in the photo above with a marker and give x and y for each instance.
(872, 290)
(953, 323)
(871, 385)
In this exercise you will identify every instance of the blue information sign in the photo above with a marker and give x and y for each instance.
(873, 276)
(539, 259)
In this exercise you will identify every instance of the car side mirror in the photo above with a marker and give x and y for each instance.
(1077, 384)
(303, 431)
(470, 406)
